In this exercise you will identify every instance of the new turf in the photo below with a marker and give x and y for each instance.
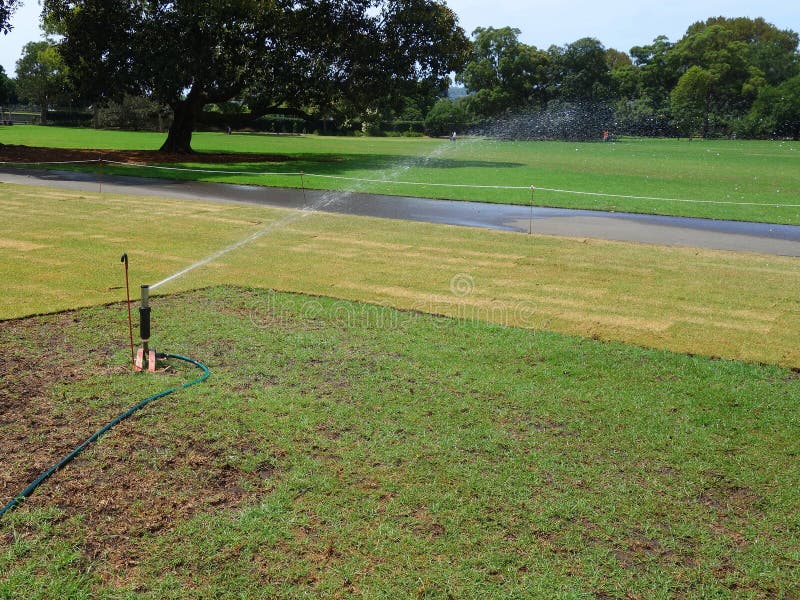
(722, 179)
(342, 449)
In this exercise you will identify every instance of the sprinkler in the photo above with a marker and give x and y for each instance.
(145, 356)
(145, 359)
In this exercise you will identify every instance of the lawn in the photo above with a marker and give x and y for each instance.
(350, 450)
(721, 179)
(423, 411)
(61, 250)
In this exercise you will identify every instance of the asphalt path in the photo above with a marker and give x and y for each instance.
(765, 238)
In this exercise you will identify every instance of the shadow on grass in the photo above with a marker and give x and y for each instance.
(336, 164)
(198, 167)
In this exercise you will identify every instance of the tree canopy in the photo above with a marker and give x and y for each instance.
(776, 111)
(8, 88)
(340, 63)
(42, 75)
(707, 83)
(7, 8)
(188, 54)
(503, 72)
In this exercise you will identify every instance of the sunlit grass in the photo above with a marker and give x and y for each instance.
(61, 250)
(722, 179)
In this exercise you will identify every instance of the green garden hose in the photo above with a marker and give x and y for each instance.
(68, 458)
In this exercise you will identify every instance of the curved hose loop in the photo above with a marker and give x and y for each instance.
(94, 437)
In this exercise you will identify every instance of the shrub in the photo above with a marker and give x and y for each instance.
(133, 113)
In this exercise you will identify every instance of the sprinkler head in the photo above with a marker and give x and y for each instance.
(145, 295)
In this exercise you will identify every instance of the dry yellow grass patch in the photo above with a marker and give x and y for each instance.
(733, 305)
(22, 246)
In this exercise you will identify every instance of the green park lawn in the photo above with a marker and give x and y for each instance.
(423, 411)
(722, 179)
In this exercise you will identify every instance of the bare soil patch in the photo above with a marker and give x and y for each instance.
(14, 153)
(141, 479)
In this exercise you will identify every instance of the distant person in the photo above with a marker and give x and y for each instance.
(605, 136)
(453, 137)
(229, 130)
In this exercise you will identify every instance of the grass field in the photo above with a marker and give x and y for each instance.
(61, 250)
(347, 450)
(354, 442)
(722, 179)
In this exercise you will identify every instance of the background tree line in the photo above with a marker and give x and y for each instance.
(303, 67)
(724, 77)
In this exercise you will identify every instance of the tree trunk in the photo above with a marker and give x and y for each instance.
(179, 138)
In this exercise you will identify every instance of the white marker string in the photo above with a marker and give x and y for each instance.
(52, 162)
(663, 199)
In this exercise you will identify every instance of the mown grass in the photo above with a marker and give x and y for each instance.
(721, 179)
(61, 250)
(409, 456)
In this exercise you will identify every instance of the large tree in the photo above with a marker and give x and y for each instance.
(503, 73)
(658, 76)
(42, 75)
(580, 71)
(723, 64)
(189, 53)
(771, 50)
(692, 100)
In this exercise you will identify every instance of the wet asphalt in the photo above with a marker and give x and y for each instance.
(765, 238)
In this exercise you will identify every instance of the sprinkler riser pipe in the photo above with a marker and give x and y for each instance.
(146, 357)
(144, 323)
(144, 316)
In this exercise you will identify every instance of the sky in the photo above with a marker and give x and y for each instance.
(619, 24)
